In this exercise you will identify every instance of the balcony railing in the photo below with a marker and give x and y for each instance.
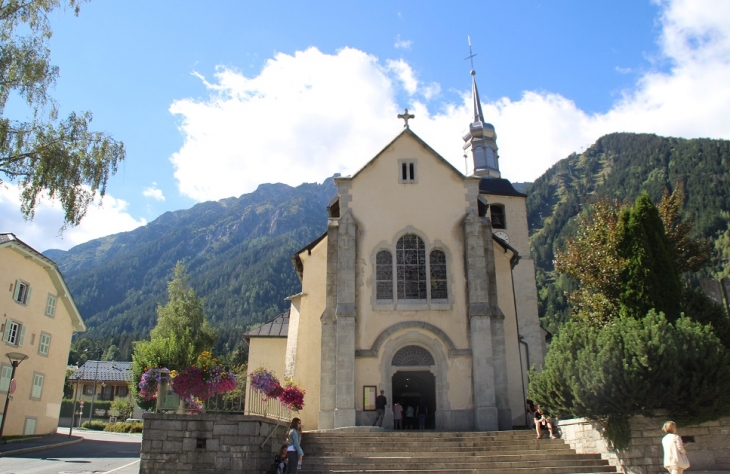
(258, 404)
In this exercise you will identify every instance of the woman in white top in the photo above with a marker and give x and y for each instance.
(675, 460)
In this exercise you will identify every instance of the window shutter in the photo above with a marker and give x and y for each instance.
(27, 295)
(16, 290)
(6, 334)
(22, 336)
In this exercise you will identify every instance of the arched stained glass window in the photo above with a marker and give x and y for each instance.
(384, 275)
(438, 275)
(412, 355)
(411, 268)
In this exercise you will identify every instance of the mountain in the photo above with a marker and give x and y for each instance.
(622, 166)
(237, 252)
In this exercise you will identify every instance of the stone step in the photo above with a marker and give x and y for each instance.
(566, 468)
(543, 445)
(453, 457)
(460, 450)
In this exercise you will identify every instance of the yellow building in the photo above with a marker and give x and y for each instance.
(422, 286)
(38, 319)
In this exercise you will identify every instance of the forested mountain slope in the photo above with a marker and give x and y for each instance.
(237, 252)
(622, 166)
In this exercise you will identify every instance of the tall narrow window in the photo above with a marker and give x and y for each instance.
(44, 344)
(438, 275)
(411, 268)
(407, 171)
(5, 372)
(51, 305)
(22, 292)
(384, 275)
(37, 390)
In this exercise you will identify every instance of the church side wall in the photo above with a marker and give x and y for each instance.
(523, 274)
(312, 304)
(516, 368)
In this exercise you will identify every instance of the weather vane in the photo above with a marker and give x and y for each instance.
(406, 116)
(471, 55)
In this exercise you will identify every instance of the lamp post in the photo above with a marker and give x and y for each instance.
(93, 395)
(15, 359)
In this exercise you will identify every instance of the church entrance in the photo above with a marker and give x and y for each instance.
(410, 387)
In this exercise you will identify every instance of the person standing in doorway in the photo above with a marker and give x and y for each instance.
(380, 403)
(409, 416)
(422, 414)
(398, 416)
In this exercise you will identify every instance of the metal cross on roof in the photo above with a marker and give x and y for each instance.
(406, 116)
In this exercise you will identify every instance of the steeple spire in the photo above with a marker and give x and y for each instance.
(480, 137)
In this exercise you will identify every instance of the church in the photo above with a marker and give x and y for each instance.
(422, 286)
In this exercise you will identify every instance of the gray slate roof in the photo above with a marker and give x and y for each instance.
(498, 186)
(277, 327)
(104, 371)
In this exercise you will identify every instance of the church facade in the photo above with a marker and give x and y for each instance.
(421, 286)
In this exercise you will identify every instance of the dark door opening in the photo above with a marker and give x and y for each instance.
(409, 387)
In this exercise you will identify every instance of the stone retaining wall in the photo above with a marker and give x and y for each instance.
(709, 450)
(209, 443)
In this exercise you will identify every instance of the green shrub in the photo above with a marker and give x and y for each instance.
(121, 408)
(124, 427)
(631, 367)
(67, 407)
(94, 425)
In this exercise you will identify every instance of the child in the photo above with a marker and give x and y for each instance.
(280, 461)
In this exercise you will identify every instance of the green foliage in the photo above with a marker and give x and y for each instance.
(95, 425)
(124, 427)
(622, 166)
(699, 307)
(121, 408)
(181, 335)
(112, 353)
(61, 157)
(650, 278)
(634, 366)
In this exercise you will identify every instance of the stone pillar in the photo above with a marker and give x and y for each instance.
(345, 314)
(480, 328)
(328, 364)
(501, 384)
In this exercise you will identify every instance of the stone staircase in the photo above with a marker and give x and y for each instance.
(379, 451)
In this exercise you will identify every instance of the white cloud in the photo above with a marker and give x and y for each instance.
(42, 233)
(404, 73)
(153, 192)
(309, 115)
(401, 43)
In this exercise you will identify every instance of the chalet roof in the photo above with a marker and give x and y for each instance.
(9, 240)
(104, 371)
(499, 186)
(277, 327)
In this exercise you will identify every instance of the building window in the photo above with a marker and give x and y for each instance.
(384, 275)
(51, 305)
(411, 268)
(44, 344)
(37, 389)
(121, 391)
(14, 333)
(5, 373)
(22, 292)
(88, 389)
(438, 275)
(407, 171)
(497, 212)
(29, 428)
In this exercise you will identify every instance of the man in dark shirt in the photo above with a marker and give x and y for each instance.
(380, 403)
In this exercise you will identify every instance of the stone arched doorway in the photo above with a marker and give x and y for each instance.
(413, 382)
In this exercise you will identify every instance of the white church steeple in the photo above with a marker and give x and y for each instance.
(480, 137)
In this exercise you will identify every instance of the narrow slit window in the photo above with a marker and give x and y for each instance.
(407, 171)
(438, 275)
(384, 275)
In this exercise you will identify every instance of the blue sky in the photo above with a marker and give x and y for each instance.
(212, 99)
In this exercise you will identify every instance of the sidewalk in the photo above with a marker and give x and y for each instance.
(37, 444)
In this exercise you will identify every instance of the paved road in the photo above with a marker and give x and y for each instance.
(98, 453)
